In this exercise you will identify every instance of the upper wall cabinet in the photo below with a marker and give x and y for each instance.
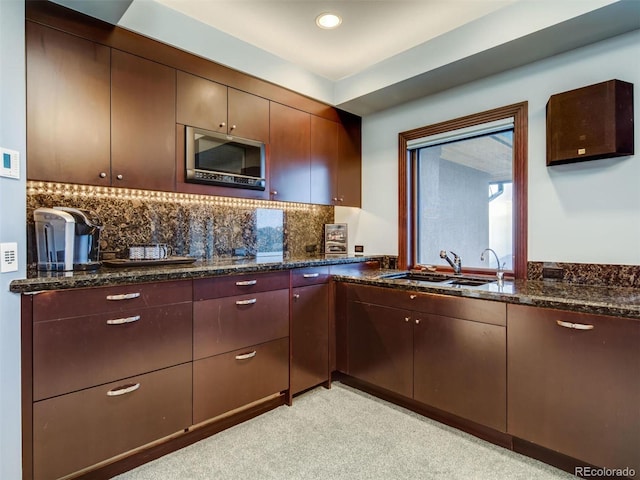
(289, 170)
(143, 146)
(212, 106)
(590, 123)
(335, 161)
(68, 108)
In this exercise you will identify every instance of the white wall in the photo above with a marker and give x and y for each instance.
(12, 229)
(586, 212)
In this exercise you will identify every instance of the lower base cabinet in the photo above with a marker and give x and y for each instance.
(75, 431)
(231, 380)
(454, 360)
(309, 337)
(574, 384)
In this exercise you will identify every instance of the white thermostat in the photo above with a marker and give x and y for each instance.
(9, 163)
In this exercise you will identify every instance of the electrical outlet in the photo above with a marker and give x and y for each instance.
(8, 257)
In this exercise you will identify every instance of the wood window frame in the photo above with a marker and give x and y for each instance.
(406, 199)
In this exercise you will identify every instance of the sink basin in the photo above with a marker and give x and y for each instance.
(423, 277)
(440, 278)
(470, 282)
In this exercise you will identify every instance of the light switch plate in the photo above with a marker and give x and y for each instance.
(8, 257)
(9, 163)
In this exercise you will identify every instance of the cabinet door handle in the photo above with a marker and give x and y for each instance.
(575, 326)
(223, 124)
(103, 175)
(310, 275)
(417, 321)
(123, 390)
(120, 321)
(244, 356)
(412, 297)
(123, 296)
(246, 302)
(246, 283)
(406, 319)
(296, 296)
(233, 127)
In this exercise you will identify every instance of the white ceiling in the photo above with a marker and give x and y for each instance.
(385, 53)
(371, 31)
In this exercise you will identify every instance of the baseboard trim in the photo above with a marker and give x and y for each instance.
(195, 434)
(505, 440)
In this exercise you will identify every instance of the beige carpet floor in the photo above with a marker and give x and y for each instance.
(343, 433)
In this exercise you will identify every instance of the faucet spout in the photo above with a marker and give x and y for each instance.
(499, 271)
(456, 263)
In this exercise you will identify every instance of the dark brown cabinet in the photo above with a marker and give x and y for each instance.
(380, 345)
(289, 167)
(446, 352)
(309, 328)
(112, 380)
(216, 107)
(68, 107)
(590, 123)
(349, 170)
(574, 384)
(460, 367)
(143, 102)
(324, 161)
(241, 341)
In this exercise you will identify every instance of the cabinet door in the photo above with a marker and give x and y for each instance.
(380, 346)
(68, 108)
(349, 173)
(201, 103)
(248, 116)
(460, 367)
(309, 337)
(224, 324)
(574, 387)
(75, 431)
(289, 171)
(143, 106)
(324, 161)
(231, 380)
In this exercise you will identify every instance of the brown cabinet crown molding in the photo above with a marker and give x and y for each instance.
(69, 21)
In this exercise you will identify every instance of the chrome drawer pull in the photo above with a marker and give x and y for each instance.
(244, 356)
(575, 326)
(123, 296)
(310, 275)
(120, 321)
(123, 390)
(412, 297)
(246, 283)
(246, 302)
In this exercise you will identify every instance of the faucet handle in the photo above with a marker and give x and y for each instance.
(443, 254)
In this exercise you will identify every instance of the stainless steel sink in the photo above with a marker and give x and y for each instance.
(442, 279)
(470, 282)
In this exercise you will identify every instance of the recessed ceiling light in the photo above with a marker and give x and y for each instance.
(328, 20)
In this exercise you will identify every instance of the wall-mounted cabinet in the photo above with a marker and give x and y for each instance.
(216, 107)
(590, 123)
(68, 108)
(142, 123)
(97, 116)
(108, 107)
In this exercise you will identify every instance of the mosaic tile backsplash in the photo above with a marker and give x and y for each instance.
(195, 225)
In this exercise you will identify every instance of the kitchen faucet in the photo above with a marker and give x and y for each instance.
(499, 271)
(456, 264)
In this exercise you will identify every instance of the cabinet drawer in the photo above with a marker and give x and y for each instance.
(484, 311)
(80, 352)
(226, 324)
(309, 276)
(85, 301)
(229, 381)
(217, 287)
(75, 431)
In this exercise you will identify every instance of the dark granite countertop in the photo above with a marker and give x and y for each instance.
(106, 276)
(616, 301)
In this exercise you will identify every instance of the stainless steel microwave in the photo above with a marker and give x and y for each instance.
(218, 159)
